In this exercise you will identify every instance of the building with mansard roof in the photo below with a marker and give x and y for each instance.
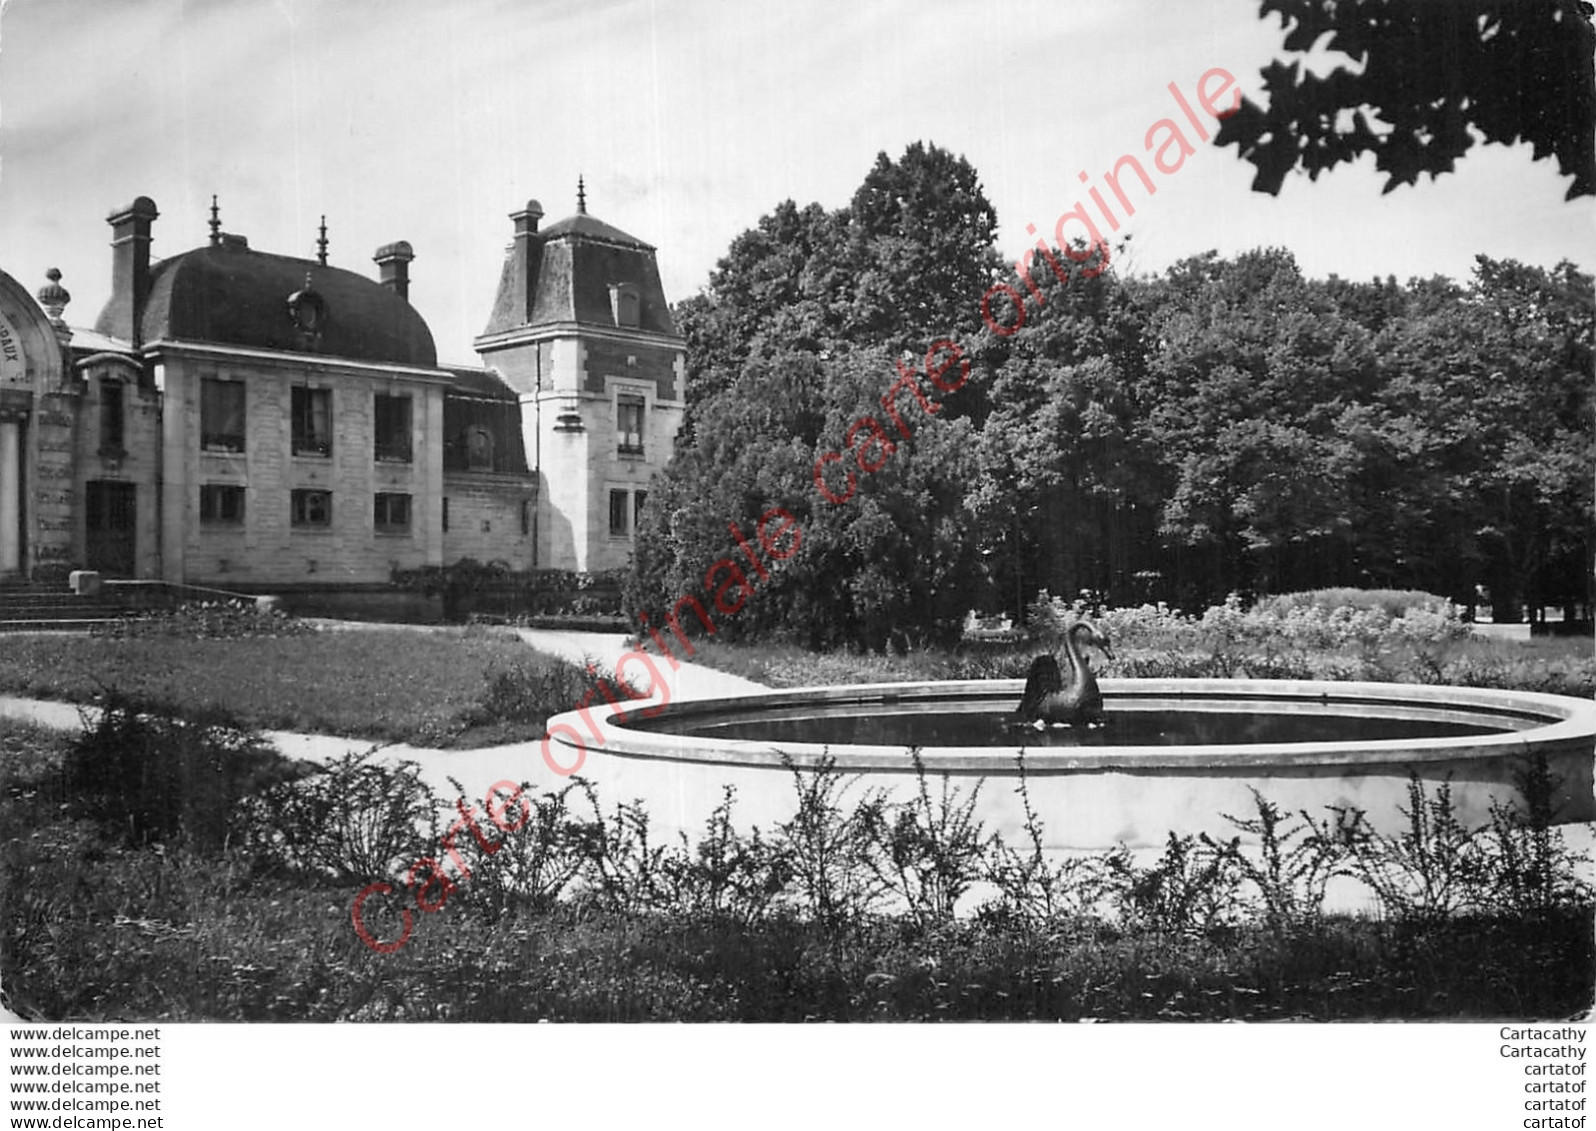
(580, 329)
(263, 422)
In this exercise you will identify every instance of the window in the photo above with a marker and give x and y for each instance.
(221, 415)
(629, 425)
(624, 304)
(312, 508)
(638, 499)
(446, 516)
(221, 504)
(479, 450)
(618, 514)
(393, 428)
(311, 410)
(392, 513)
(111, 417)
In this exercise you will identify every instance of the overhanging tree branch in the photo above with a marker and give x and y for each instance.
(1434, 78)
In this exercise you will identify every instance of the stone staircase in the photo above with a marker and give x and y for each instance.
(27, 607)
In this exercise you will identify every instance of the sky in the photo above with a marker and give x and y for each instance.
(432, 121)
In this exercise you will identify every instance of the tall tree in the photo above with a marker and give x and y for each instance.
(782, 285)
(1533, 494)
(1064, 478)
(1250, 371)
(796, 340)
(920, 239)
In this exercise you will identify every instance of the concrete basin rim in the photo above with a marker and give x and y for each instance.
(1569, 728)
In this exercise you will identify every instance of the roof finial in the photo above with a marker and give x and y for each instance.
(216, 222)
(321, 244)
(54, 297)
(581, 195)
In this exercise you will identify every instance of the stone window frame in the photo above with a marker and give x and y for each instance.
(113, 422)
(621, 509)
(625, 503)
(392, 443)
(392, 512)
(301, 402)
(214, 508)
(630, 393)
(302, 508)
(218, 431)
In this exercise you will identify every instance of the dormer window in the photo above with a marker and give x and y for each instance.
(479, 450)
(625, 304)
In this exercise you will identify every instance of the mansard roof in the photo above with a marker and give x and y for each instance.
(592, 228)
(228, 294)
(564, 274)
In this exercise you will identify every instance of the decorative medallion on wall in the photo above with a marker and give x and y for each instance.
(308, 310)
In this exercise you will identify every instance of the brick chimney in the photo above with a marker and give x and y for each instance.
(393, 267)
(527, 252)
(130, 269)
(518, 278)
(526, 220)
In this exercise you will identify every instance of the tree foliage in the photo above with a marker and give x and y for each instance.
(1431, 77)
(1228, 425)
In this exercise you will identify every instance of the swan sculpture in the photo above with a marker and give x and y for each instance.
(1049, 698)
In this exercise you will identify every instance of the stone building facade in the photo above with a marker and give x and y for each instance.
(581, 331)
(262, 422)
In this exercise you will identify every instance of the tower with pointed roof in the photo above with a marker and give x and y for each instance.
(582, 332)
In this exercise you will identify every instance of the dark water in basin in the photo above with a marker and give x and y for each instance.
(876, 725)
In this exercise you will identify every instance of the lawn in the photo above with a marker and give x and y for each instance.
(441, 688)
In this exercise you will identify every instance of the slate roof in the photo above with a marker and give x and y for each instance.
(86, 342)
(591, 227)
(236, 296)
(485, 384)
(564, 274)
(481, 399)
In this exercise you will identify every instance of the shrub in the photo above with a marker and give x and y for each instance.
(830, 851)
(727, 875)
(1530, 869)
(927, 851)
(1032, 890)
(148, 773)
(1280, 638)
(1436, 868)
(535, 864)
(1394, 603)
(1194, 888)
(233, 619)
(624, 870)
(529, 691)
(520, 695)
(536, 591)
(352, 819)
(1294, 862)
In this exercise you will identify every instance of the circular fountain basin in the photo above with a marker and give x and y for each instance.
(1173, 755)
